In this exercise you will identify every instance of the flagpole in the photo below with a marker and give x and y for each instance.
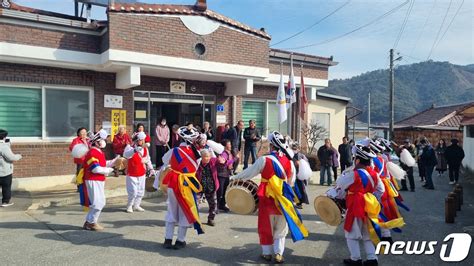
(281, 71)
(299, 106)
(290, 108)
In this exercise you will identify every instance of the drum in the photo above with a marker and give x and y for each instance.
(149, 183)
(120, 164)
(331, 210)
(241, 196)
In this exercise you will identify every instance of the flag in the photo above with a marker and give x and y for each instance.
(291, 92)
(303, 98)
(281, 101)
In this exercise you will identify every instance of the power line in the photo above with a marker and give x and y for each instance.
(312, 25)
(450, 23)
(423, 29)
(393, 10)
(439, 30)
(405, 22)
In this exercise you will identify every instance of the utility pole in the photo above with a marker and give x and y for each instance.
(368, 117)
(392, 94)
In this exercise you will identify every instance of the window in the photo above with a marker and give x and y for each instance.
(470, 131)
(20, 111)
(66, 111)
(44, 112)
(272, 119)
(253, 110)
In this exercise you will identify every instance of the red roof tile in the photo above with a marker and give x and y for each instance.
(183, 10)
(444, 116)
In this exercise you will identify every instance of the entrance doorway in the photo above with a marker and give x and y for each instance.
(178, 109)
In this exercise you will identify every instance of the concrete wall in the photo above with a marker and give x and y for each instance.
(468, 146)
(337, 117)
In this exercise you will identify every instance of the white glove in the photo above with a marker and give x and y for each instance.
(138, 149)
(108, 170)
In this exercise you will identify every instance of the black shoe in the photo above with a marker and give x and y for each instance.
(224, 209)
(412, 190)
(211, 222)
(299, 206)
(425, 185)
(179, 244)
(352, 262)
(371, 263)
(404, 189)
(168, 244)
(388, 239)
(430, 188)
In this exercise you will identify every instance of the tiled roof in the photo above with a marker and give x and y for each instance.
(142, 8)
(443, 116)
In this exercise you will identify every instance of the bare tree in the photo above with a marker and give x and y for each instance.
(313, 133)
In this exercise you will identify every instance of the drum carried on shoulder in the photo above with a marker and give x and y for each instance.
(241, 196)
(329, 208)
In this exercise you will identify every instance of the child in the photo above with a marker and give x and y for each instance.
(138, 158)
(207, 175)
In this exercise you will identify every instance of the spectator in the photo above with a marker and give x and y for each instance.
(235, 137)
(162, 133)
(224, 171)
(325, 156)
(335, 161)
(428, 159)
(175, 138)
(441, 166)
(80, 139)
(141, 128)
(345, 153)
(251, 137)
(412, 150)
(421, 168)
(226, 132)
(121, 140)
(206, 129)
(207, 176)
(454, 156)
(300, 185)
(7, 157)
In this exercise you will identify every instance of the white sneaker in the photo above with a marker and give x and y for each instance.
(129, 209)
(6, 204)
(139, 209)
(451, 182)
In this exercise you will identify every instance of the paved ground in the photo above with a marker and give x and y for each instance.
(54, 236)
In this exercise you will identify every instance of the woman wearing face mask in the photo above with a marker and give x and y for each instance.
(162, 137)
(80, 139)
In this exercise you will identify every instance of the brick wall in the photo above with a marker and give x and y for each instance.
(43, 159)
(169, 36)
(308, 71)
(49, 38)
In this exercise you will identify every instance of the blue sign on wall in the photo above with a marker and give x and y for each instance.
(220, 108)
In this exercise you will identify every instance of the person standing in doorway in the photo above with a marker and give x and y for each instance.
(251, 137)
(428, 158)
(7, 157)
(162, 136)
(345, 154)
(206, 129)
(235, 137)
(441, 167)
(325, 155)
(454, 156)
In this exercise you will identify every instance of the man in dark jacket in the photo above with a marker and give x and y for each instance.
(428, 158)
(345, 153)
(235, 136)
(251, 137)
(454, 155)
(325, 154)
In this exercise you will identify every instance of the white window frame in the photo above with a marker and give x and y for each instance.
(43, 89)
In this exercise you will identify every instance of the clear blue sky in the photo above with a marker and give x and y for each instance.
(362, 51)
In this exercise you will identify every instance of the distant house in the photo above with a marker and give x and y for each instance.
(467, 123)
(436, 122)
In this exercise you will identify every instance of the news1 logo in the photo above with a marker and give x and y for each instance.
(459, 247)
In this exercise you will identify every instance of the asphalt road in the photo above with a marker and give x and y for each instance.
(54, 236)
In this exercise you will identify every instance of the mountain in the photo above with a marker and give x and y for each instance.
(417, 87)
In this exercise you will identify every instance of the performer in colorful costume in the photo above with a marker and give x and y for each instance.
(276, 209)
(182, 188)
(364, 192)
(390, 210)
(91, 178)
(138, 160)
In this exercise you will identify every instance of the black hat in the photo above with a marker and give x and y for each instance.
(3, 133)
(454, 141)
